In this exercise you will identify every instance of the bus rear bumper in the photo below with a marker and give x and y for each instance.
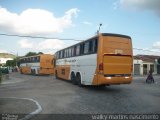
(113, 80)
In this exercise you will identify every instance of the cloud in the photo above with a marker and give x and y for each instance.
(3, 51)
(24, 43)
(156, 45)
(153, 5)
(49, 44)
(35, 21)
(115, 5)
(87, 23)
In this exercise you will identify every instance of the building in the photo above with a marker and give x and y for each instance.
(144, 63)
(4, 60)
(4, 57)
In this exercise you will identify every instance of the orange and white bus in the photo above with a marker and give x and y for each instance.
(38, 64)
(104, 59)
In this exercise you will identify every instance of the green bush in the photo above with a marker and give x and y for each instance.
(4, 71)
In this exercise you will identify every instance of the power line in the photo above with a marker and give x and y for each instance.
(146, 50)
(42, 37)
(66, 39)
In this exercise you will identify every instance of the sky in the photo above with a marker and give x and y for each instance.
(79, 20)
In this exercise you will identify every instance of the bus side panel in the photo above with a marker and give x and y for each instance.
(63, 71)
(86, 66)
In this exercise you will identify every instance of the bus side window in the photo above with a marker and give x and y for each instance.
(77, 50)
(69, 53)
(72, 51)
(86, 47)
(65, 53)
(91, 46)
(95, 46)
(57, 55)
(38, 59)
(82, 49)
(61, 54)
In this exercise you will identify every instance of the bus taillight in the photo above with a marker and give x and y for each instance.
(101, 66)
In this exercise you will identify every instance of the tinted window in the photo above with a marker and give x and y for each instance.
(62, 54)
(72, 51)
(90, 46)
(65, 53)
(77, 49)
(82, 49)
(58, 56)
(38, 59)
(86, 47)
(69, 53)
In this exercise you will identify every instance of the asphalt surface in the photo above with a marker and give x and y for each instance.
(61, 97)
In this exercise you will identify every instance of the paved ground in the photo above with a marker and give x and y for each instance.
(61, 97)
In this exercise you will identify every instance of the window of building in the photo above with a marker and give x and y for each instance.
(152, 67)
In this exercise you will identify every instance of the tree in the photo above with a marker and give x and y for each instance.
(40, 53)
(11, 63)
(33, 53)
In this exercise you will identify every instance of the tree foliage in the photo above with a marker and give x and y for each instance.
(33, 53)
(11, 63)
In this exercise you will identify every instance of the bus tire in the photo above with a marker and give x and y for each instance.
(21, 72)
(34, 72)
(73, 78)
(78, 79)
(56, 75)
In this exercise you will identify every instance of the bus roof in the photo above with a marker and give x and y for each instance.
(103, 34)
(33, 56)
(116, 35)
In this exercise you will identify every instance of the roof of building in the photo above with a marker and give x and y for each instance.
(146, 58)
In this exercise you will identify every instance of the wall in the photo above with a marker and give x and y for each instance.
(141, 63)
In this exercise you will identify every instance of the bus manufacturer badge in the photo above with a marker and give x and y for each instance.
(118, 51)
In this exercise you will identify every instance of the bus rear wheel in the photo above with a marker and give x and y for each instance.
(78, 79)
(73, 79)
(56, 75)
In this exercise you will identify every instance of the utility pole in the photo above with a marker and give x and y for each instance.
(99, 28)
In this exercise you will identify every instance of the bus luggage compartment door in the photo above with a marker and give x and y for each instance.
(117, 64)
